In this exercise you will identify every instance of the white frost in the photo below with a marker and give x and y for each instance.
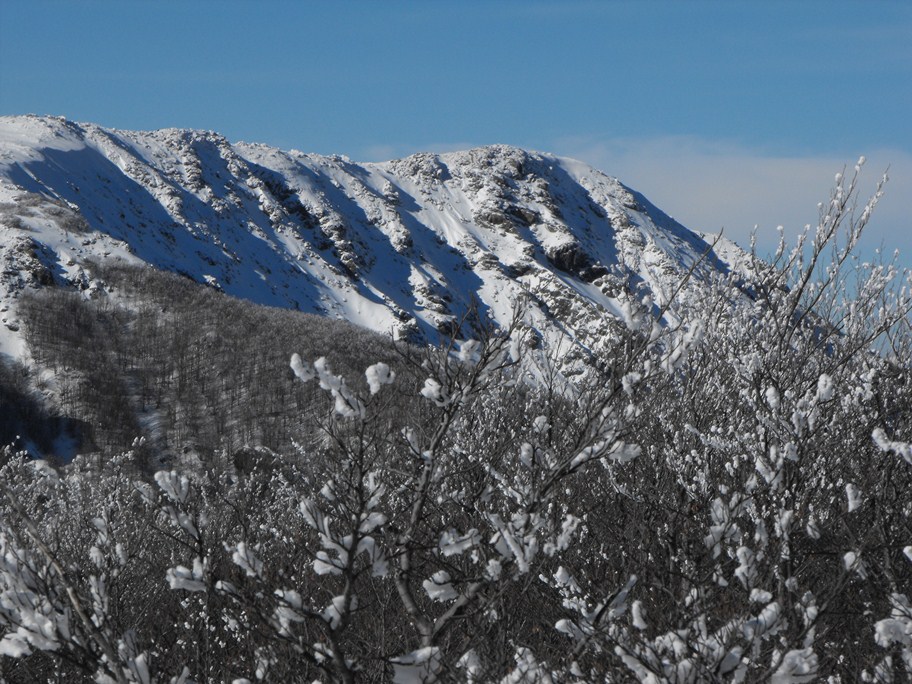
(438, 587)
(378, 375)
(853, 494)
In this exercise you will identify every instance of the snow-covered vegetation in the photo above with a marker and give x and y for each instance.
(723, 496)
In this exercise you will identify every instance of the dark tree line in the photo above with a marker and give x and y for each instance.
(189, 369)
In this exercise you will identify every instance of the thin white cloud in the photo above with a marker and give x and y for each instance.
(710, 185)
(378, 153)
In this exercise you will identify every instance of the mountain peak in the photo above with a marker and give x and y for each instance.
(407, 246)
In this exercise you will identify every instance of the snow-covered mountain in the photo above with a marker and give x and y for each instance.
(405, 246)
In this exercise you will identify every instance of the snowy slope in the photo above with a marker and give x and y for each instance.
(404, 247)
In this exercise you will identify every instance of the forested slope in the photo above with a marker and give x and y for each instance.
(192, 371)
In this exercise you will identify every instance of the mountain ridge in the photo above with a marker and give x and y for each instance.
(407, 246)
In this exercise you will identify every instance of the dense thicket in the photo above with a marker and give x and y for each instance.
(725, 499)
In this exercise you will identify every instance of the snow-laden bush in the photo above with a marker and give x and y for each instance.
(725, 499)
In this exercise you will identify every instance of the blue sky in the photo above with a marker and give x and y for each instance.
(726, 114)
